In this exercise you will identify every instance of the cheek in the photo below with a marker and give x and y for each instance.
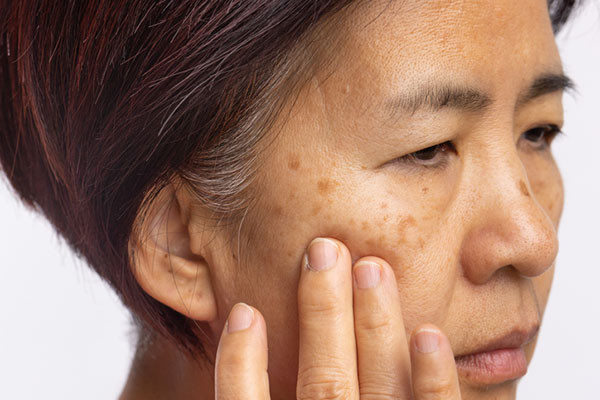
(398, 222)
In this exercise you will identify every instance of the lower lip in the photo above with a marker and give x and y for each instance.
(493, 367)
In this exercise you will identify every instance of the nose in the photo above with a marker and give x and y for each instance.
(507, 225)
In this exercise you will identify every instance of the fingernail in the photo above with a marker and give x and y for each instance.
(322, 254)
(427, 341)
(240, 318)
(367, 274)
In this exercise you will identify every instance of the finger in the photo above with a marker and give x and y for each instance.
(383, 355)
(241, 365)
(327, 352)
(434, 374)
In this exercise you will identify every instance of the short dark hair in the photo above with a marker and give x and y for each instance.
(102, 103)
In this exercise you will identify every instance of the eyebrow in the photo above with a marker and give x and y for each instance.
(546, 84)
(437, 97)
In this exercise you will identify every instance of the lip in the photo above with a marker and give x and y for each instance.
(499, 360)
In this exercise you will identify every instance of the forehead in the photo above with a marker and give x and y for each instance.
(487, 43)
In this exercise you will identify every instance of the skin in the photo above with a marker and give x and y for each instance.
(469, 240)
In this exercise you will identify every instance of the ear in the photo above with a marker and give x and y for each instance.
(164, 263)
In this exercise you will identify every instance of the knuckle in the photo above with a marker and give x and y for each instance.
(330, 383)
(228, 359)
(379, 390)
(435, 388)
(374, 322)
(325, 303)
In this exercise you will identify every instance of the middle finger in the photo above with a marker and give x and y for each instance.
(383, 354)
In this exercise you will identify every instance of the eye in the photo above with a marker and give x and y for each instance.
(540, 137)
(431, 157)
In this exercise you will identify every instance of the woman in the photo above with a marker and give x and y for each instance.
(388, 162)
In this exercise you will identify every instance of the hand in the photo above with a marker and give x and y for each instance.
(352, 338)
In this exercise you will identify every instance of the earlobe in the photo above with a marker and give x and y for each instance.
(166, 266)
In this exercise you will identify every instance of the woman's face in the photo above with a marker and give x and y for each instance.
(468, 225)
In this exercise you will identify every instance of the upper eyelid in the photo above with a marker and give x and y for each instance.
(554, 129)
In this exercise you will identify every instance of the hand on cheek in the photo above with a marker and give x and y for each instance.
(352, 338)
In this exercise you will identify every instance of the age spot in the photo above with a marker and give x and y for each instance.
(316, 209)
(294, 163)
(523, 188)
(325, 186)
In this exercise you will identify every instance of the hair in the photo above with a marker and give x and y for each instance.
(103, 103)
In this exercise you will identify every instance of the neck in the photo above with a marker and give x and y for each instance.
(161, 371)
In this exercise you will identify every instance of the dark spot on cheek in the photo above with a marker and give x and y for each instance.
(403, 225)
(424, 190)
(325, 186)
(365, 226)
(383, 206)
(294, 162)
(523, 188)
(316, 209)
(278, 210)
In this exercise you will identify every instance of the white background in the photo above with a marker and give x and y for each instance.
(64, 334)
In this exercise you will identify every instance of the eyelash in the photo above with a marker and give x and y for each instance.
(544, 136)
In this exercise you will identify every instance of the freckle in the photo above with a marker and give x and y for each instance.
(425, 190)
(364, 226)
(523, 188)
(170, 270)
(381, 239)
(278, 210)
(385, 218)
(326, 186)
(294, 163)
(316, 210)
(165, 255)
(363, 167)
(383, 206)
(403, 224)
(421, 243)
(369, 242)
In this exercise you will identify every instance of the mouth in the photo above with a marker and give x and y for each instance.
(499, 360)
